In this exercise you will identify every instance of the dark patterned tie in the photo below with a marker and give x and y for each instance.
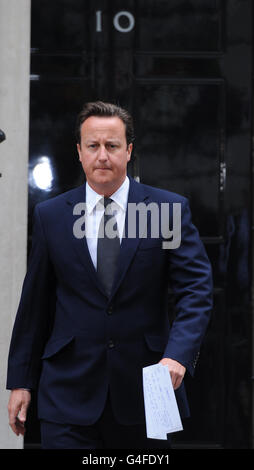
(107, 247)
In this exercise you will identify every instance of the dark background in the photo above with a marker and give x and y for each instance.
(185, 73)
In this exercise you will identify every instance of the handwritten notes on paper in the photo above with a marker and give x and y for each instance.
(161, 410)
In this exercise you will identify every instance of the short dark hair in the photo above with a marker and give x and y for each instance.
(102, 109)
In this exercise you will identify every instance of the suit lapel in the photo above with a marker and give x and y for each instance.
(129, 245)
(78, 196)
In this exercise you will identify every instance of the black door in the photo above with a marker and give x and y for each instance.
(183, 68)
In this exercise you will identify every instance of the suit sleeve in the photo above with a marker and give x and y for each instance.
(33, 318)
(190, 278)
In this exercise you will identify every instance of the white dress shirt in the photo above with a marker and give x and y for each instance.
(94, 213)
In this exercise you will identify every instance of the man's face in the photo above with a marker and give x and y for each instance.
(103, 153)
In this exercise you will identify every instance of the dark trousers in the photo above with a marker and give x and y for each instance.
(106, 433)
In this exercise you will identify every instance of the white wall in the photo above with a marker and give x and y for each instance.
(14, 121)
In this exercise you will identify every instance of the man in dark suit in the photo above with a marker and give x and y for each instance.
(94, 309)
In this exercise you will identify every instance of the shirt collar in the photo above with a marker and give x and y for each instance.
(120, 196)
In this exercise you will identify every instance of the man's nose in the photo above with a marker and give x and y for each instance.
(103, 154)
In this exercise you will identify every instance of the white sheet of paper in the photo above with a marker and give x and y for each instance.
(161, 410)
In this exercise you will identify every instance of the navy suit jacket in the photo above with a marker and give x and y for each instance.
(72, 344)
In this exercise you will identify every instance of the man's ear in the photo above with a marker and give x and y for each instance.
(79, 151)
(129, 150)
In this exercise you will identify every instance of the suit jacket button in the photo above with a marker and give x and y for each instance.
(110, 310)
(111, 344)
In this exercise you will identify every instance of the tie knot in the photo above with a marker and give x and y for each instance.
(108, 205)
(107, 201)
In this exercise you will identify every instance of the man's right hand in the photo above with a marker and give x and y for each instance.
(17, 407)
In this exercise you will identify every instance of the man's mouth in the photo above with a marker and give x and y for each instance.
(102, 168)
